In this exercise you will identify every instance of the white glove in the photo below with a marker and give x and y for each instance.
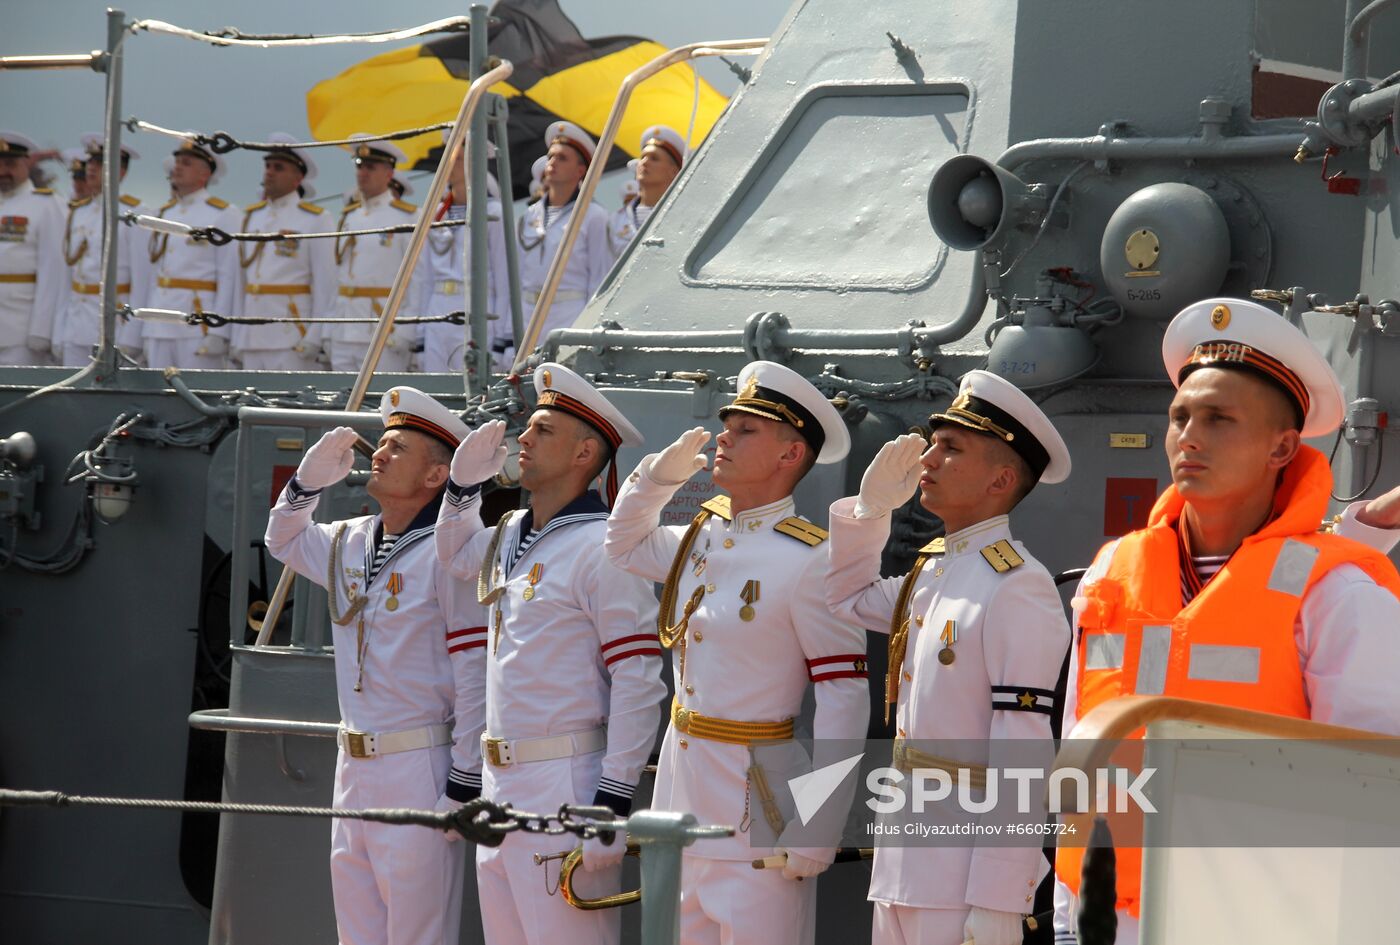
(800, 867)
(38, 344)
(992, 927)
(681, 460)
(447, 805)
(215, 346)
(891, 478)
(481, 455)
(596, 856)
(329, 460)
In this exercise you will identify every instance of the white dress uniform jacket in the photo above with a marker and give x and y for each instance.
(366, 266)
(1346, 638)
(419, 666)
(448, 287)
(589, 262)
(1011, 639)
(573, 650)
(33, 275)
(288, 278)
(744, 671)
(80, 323)
(190, 276)
(624, 225)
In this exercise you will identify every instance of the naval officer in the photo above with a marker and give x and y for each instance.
(1269, 614)
(742, 609)
(33, 277)
(409, 647)
(977, 638)
(291, 279)
(574, 667)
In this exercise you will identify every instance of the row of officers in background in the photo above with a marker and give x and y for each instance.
(51, 258)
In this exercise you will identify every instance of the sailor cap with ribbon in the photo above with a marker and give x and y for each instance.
(1236, 334)
(568, 133)
(14, 144)
(94, 142)
(191, 146)
(993, 405)
(774, 392)
(667, 139)
(559, 388)
(374, 151)
(295, 156)
(408, 408)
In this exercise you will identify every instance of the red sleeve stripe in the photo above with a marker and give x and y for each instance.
(843, 658)
(454, 634)
(643, 651)
(635, 638)
(467, 646)
(841, 674)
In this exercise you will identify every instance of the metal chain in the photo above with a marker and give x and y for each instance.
(215, 320)
(229, 36)
(479, 820)
(221, 142)
(218, 237)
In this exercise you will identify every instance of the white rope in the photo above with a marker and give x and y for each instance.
(454, 23)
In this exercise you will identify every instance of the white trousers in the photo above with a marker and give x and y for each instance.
(395, 885)
(728, 902)
(517, 908)
(162, 353)
(21, 355)
(285, 360)
(349, 355)
(907, 925)
(440, 357)
(76, 355)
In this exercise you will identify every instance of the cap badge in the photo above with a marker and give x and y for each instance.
(548, 379)
(1220, 317)
(394, 398)
(362, 151)
(963, 399)
(750, 388)
(4, 145)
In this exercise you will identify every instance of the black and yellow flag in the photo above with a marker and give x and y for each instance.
(558, 74)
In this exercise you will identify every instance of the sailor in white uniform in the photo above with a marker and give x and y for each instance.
(75, 160)
(448, 286)
(33, 276)
(977, 638)
(367, 265)
(188, 275)
(78, 326)
(409, 647)
(540, 232)
(292, 279)
(574, 668)
(744, 613)
(537, 177)
(662, 153)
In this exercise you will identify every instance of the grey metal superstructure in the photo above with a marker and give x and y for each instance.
(825, 224)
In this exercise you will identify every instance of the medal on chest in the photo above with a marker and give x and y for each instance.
(949, 636)
(749, 595)
(395, 586)
(536, 573)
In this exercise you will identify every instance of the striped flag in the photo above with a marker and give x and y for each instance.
(558, 75)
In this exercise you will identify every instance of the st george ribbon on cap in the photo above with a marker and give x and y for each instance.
(774, 392)
(993, 405)
(665, 138)
(1237, 334)
(570, 134)
(559, 388)
(408, 408)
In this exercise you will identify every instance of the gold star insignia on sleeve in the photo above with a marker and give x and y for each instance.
(1027, 700)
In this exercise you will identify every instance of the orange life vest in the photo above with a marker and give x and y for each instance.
(1233, 644)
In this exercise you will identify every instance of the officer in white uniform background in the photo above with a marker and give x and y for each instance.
(75, 162)
(366, 265)
(574, 670)
(188, 275)
(744, 612)
(409, 647)
(662, 153)
(78, 326)
(292, 279)
(447, 288)
(33, 276)
(977, 638)
(541, 231)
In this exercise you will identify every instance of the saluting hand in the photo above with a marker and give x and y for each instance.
(481, 455)
(329, 460)
(891, 477)
(682, 459)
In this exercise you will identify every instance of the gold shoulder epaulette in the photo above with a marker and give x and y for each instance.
(218, 202)
(45, 191)
(129, 200)
(1002, 557)
(255, 206)
(80, 202)
(311, 207)
(719, 505)
(169, 203)
(405, 206)
(934, 547)
(801, 529)
(350, 205)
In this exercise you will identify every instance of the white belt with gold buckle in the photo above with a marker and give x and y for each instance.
(371, 744)
(503, 752)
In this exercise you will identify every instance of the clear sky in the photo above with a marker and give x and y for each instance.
(249, 93)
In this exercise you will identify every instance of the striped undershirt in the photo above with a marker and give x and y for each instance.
(526, 541)
(1206, 567)
(381, 554)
